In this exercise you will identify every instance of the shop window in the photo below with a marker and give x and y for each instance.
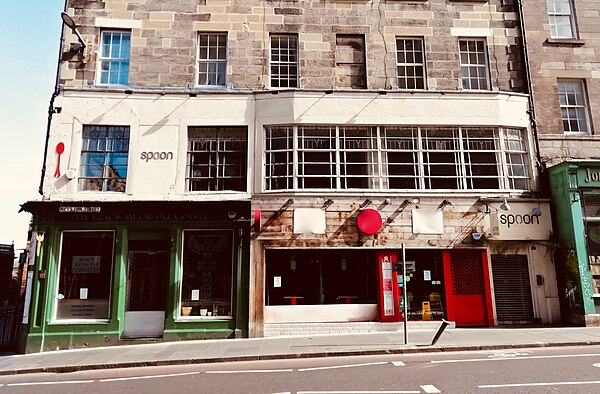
(206, 283)
(394, 157)
(284, 61)
(562, 18)
(104, 157)
(410, 63)
(350, 61)
(573, 106)
(113, 58)
(217, 159)
(85, 272)
(425, 291)
(212, 59)
(474, 64)
(311, 277)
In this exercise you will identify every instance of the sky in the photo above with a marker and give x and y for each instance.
(30, 32)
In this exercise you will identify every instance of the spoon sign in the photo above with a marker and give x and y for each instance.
(60, 148)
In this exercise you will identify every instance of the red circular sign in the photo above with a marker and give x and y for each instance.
(369, 221)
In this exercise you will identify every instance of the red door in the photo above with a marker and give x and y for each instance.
(468, 295)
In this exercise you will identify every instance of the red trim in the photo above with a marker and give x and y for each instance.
(488, 289)
(397, 315)
(448, 286)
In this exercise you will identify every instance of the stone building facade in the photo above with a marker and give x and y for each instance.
(563, 44)
(272, 163)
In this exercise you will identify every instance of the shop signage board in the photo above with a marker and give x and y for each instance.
(587, 176)
(85, 265)
(524, 221)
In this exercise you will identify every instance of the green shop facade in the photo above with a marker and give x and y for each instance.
(106, 273)
(575, 189)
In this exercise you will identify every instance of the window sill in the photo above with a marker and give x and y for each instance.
(572, 42)
(201, 318)
(79, 321)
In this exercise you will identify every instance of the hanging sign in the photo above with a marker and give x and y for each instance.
(369, 221)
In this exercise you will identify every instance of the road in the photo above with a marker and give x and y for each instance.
(539, 370)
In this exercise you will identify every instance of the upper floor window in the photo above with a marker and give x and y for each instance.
(104, 156)
(114, 57)
(573, 106)
(217, 159)
(284, 61)
(395, 158)
(212, 59)
(562, 20)
(350, 67)
(410, 63)
(474, 71)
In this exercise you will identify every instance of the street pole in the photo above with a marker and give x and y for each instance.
(405, 296)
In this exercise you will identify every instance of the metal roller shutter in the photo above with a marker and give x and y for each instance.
(512, 290)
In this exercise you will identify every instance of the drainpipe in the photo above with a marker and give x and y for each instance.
(51, 106)
(530, 100)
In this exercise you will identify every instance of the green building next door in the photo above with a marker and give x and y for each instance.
(147, 276)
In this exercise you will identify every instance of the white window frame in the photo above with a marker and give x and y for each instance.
(284, 52)
(509, 147)
(561, 10)
(580, 105)
(220, 63)
(414, 65)
(470, 66)
(103, 58)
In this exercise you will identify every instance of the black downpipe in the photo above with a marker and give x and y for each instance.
(51, 106)
(532, 117)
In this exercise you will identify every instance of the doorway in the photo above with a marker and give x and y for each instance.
(147, 276)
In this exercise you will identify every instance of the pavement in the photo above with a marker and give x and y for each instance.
(247, 349)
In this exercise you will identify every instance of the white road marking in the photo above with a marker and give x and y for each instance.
(429, 388)
(44, 383)
(357, 392)
(492, 386)
(596, 365)
(252, 371)
(398, 363)
(341, 366)
(148, 377)
(513, 358)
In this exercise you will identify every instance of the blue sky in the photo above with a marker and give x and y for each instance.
(30, 32)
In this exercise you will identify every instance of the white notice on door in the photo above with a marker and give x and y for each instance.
(277, 281)
(195, 295)
(426, 275)
(83, 293)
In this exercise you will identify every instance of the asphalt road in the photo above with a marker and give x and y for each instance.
(539, 370)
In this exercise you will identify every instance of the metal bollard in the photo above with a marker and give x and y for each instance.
(440, 331)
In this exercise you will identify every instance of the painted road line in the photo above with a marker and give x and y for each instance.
(341, 366)
(597, 365)
(513, 358)
(47, 383)
(252, 371)
(398, 363)
(358, 392)
(148, 377)
(495, 386)
(429, 388)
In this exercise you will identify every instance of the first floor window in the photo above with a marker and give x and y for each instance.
(474, 71)
(561, 17)
(104, 157)
(284, 61)
(206, 283)
(114, 53)
(212, 59)
(84, 283)
(216, 158)
(396, 158)
(410, 63)
(573, 106)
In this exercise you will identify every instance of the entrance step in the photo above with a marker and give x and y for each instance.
(281, 329)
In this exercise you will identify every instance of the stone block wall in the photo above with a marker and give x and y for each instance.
(553, 59)
(164, 39)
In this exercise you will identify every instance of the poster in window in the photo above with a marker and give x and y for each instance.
(85, 265)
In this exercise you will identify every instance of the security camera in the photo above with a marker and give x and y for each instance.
(476, 236)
